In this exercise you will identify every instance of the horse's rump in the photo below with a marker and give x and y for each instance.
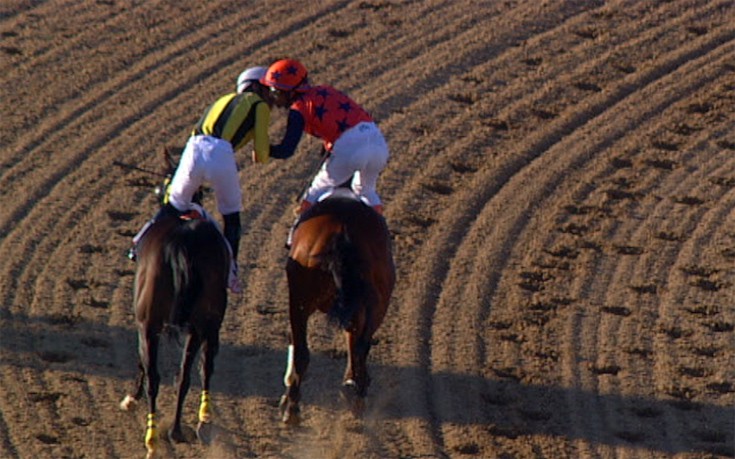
(193, 251)
(185, 260)
(349, 240)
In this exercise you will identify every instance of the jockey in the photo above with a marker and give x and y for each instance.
(227, 125)
(353, 142)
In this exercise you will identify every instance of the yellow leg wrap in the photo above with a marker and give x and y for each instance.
(151, 432)
(205, 414)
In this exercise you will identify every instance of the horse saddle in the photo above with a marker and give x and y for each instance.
(193, 214)
(343, 192)
(196, 212)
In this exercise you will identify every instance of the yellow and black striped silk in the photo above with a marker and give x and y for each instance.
(232, 117)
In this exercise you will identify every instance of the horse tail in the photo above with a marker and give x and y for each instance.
(187, 281)
(344, 261)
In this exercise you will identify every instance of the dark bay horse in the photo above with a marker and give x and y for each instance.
(340, 263)
(180, 281)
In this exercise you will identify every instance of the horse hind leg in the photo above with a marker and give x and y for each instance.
(193, 343)
(302, 302)
(297, 364)
(211, 348)
(130, 400)
(356, 379)
(148, 350)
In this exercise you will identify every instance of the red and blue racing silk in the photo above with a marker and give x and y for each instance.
(328, 113)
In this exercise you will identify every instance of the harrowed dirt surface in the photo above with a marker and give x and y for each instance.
(561, 197)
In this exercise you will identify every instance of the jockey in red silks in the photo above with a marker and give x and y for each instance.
(353, 142)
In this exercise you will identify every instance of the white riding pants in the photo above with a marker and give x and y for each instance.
(362, 151)
(212, 160)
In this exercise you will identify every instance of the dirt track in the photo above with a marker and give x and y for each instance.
(561, 195)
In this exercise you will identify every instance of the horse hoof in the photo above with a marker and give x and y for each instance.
(176, 436)
(282, 404)
(350, 394)
(205, 432)
(358, 407)
(349, 391)
(291, 418)
(289, 412)
(128, 403)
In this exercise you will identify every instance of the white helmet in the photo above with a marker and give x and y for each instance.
(247, 78)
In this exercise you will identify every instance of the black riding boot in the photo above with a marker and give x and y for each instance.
(232, 231)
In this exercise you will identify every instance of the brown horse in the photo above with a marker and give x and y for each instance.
(340, 263)
(180, 282)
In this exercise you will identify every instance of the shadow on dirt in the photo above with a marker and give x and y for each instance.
(509, 408)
